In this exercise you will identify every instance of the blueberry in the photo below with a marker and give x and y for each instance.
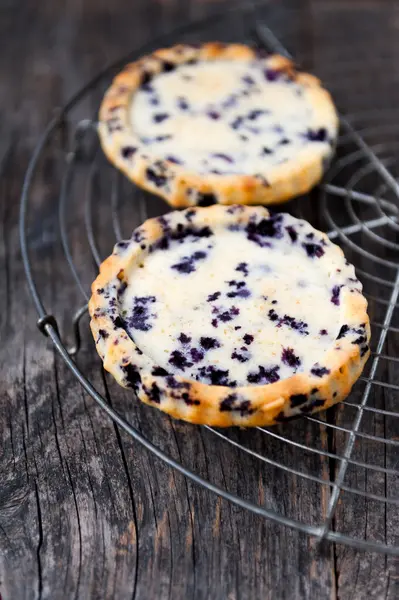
(271, 74)
(290, 322)
(335, 295)
(319, 371)
(292, 233)
(174, 160)
(242, 268)
(121, 246)
(248, 79)
(289, 358)
(263, 375)
(224, 157)
(128, 151)
(162, 138)
(241, 355)
(206, 199)
(147, 87)
(154, 393)
(360, 340)
(240, 293)
(236, 123)
(213, 296)
(182, 103)
(364, 349)
(248, 338)
(270, 227)
(178, 360)
(342, 332)
(189, 401)
(168, 66)
(159, 372)
(216, 376)
(254, 114)
(158, 118)
(177, 385)
(190, 213)
(317, 135)
(180, 235)
(208, 343)
(299, 326)
(235, 283)
(233, 403)
(145, 80)
(298, 399)
(184, 339)
(196, 354)
(228, 315)
(313, 250)
(132, 376)
(141, 317)
(158, 179)
(187, 264)
(232, 101)
(273, 316)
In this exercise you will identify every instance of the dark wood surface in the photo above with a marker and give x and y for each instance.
(86, 512)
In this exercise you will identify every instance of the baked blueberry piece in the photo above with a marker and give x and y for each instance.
(230, 316)
(218, 124)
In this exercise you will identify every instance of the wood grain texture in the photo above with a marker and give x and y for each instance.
(86, 512)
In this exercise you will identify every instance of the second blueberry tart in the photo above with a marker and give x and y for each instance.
(230, 316)
(218, 124)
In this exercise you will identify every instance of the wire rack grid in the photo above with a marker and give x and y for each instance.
(358, 201)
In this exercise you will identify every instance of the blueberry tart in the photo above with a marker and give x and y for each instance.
(218, 124)
(229, 316)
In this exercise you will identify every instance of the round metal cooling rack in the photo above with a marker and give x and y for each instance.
(359, 204)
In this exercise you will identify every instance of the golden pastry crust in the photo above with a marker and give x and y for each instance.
(182, 187)
(218, 405)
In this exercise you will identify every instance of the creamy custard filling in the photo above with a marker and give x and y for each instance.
(225, 117)
(239, 305)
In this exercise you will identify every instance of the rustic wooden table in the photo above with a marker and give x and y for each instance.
(86, 512)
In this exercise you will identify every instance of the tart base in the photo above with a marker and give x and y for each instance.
(181, 187)
(218, 405)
